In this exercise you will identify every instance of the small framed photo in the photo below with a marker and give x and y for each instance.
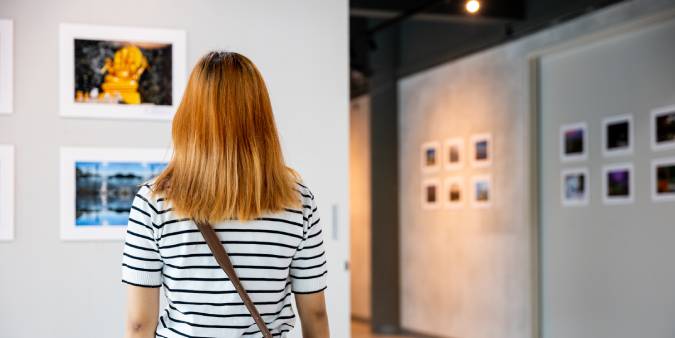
(430, 158)
(117, 72)
(617, 135)
(431, 194)
(574, 142)
(481, 188)
(663, 180)
(663, 128)
(575, 187)
(98, 186)
(481, 150)
(6, 66)
(453, 192)
(454, 154)
(618, 187)
(6, 192)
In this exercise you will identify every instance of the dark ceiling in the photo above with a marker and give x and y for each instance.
(395, 38)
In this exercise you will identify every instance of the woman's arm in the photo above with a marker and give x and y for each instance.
(313, 316)
(142, 312)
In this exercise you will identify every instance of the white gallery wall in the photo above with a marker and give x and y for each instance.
(473, 272)
(52, 288)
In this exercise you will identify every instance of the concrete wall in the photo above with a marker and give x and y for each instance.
(468, 272)
(607, 269)
(359, 207)
(51, 288)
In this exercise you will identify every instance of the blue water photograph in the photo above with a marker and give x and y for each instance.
(104, 191)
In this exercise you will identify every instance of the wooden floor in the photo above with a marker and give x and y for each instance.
(362, 330)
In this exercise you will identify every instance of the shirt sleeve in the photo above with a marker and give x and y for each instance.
(141, 262)
(308, 268)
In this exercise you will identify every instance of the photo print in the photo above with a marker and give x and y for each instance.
(618, 184)
(6, 192)
(430, 157)
(575, 187)
(617, 135)
(454, 154)
(574, 142)
(6, 66)
(98, 187)
(120, 72)
(663, 178)
(453, 190)
(481, 150)
(431, 194)
(663, 128)
(481, 187)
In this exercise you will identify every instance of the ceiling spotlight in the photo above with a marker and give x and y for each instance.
(472, 6)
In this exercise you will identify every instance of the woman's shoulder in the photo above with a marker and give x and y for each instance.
(147, 193)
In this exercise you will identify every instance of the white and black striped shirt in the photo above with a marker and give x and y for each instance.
(274, 256)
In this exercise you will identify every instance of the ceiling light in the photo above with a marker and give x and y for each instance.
(472, 6)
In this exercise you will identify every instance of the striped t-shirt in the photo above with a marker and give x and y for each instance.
(274, 256)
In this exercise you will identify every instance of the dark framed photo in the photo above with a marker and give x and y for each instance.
(430, 157)
(575, 187)
(663, 180)
(574, 142)
(617, 135)
(618, 184)
(431, 194)
(453, 191)
(663, 128)
(481, 150)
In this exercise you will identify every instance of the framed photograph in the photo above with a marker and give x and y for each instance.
(98, 186)
(431, 194)
(618, 187)
(663, 128)
(663, 178)
(481, 188)
(6, 66)
(6, 192)
(481, 150)
(453, 192)
(454, 154)
(574, 142)
(121, 72)
(617, 135)
(574, 187)
(430, 158)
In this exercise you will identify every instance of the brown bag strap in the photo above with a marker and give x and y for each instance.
(224, 261)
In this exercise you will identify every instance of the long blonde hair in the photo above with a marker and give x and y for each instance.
(227, 160)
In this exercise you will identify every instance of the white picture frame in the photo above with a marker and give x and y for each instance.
(427, 202)
(607, 199)
(71, 158)
(6, 66)
(68, 107)
(6, 192)
(448, 162)
(573, 156)
(425, 162)
(481, 158)
(613, 120)
(656, 195)
(481, 183)
(567, 199)
(448, 184)
(655, 143)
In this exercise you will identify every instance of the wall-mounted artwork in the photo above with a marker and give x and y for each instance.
(430, 157)
(121, 72)
(6, 66)
(481, 189)
(575, 187)
(98, 186)
(453, 192)
(431, 194)
(574, 142)
(453, 154)
(663, 180)
(617, 184)
(617, 135)
(663, 128)
(6, 192)
(481, 150)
